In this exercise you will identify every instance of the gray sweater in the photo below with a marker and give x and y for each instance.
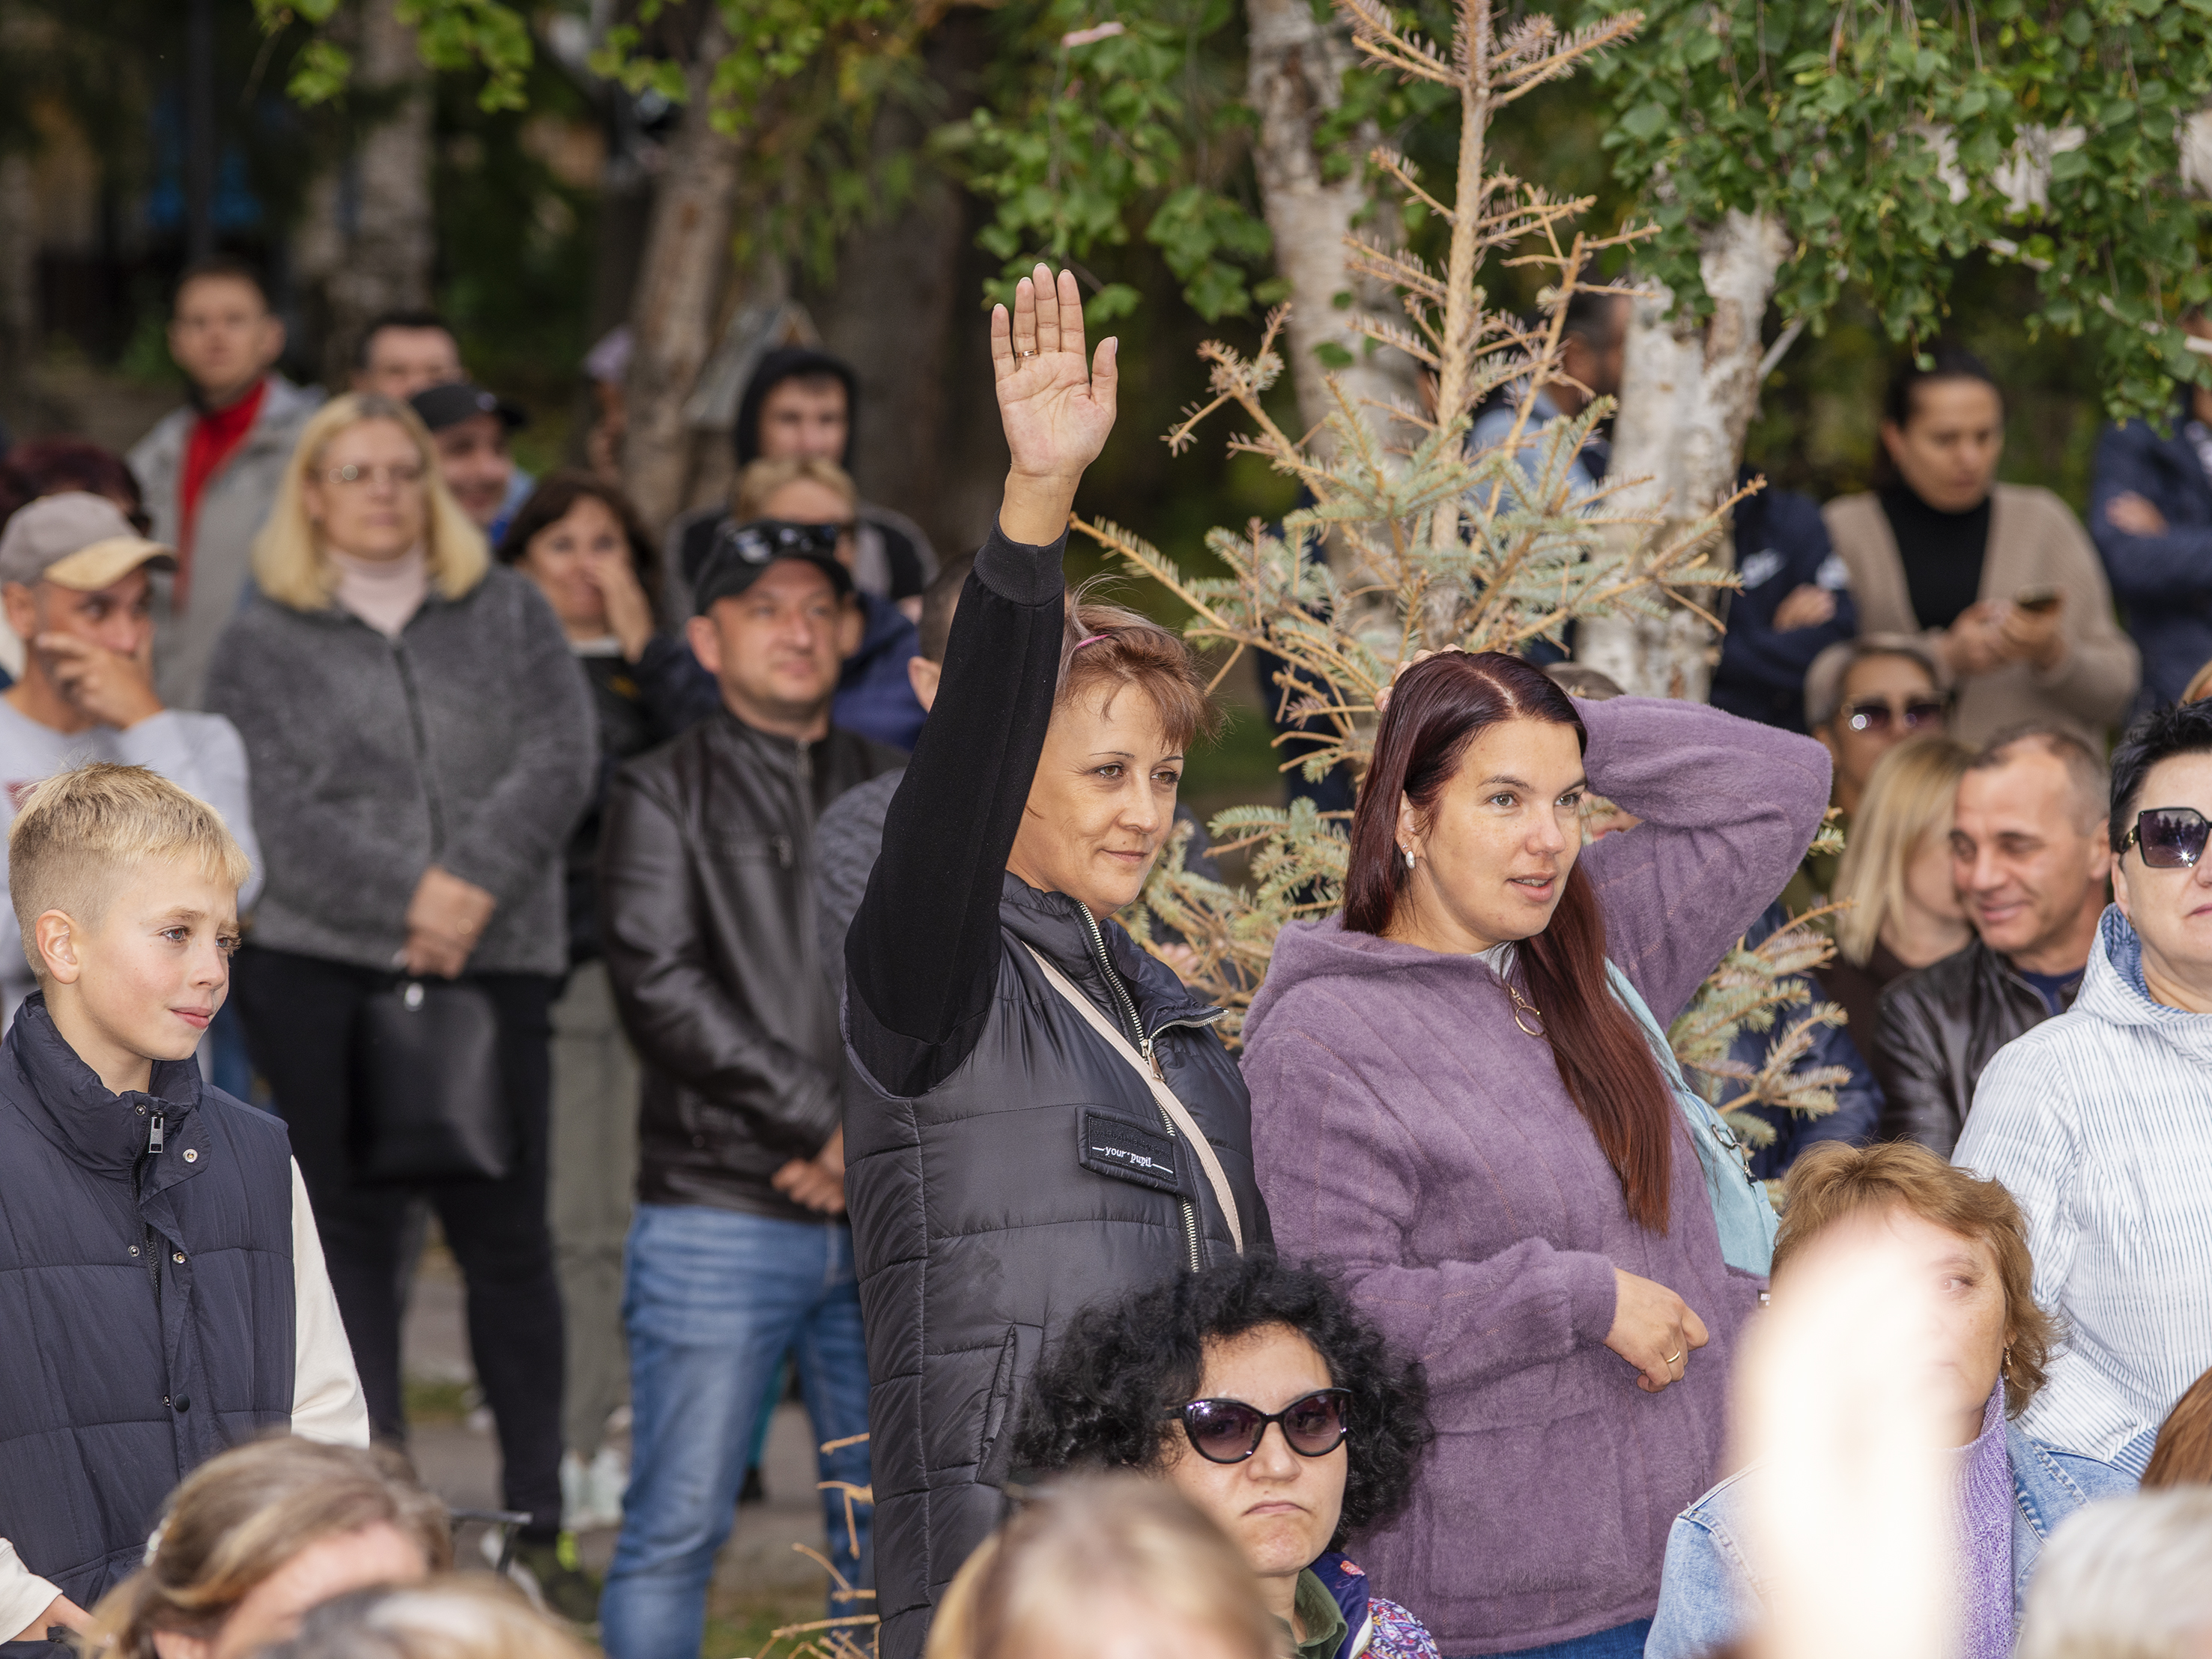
(467, 742)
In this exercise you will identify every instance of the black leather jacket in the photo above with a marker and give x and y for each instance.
(1939, 1028)
(706, 922)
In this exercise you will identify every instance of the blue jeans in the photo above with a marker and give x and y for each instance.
(1621, 1642)
(712, 1300)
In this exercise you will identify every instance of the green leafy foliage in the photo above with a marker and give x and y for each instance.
(1893, 143)
(1095, 131)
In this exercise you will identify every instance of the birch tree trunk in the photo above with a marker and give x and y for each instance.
(370, 238)
(1688, 394)
(1296, 70)
(674, 312)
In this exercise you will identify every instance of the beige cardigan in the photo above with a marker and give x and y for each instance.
(2035, 541)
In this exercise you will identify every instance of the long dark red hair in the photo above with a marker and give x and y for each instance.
(1439, 708)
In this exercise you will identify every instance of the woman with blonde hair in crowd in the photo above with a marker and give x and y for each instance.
(257, 1536)
(2130, 1579)
(421, 744)
(1902, 911)
(1985, 1358)
(1107, 1567)
(465, 1616)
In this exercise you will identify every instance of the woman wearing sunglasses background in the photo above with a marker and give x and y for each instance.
(1258, 1392)
(2096, 1120)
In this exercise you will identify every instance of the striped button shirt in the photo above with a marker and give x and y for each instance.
(2099, 1122)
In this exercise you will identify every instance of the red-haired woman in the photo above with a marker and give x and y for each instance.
(1046, 1117)
(1453, 1103)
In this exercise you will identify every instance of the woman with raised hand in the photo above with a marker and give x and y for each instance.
(1461, 1102)
(1047, 1117)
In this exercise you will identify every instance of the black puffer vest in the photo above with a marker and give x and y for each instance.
(146, 1298)
(1032, 1181)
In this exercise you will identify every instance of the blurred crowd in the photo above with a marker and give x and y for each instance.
(712, 925)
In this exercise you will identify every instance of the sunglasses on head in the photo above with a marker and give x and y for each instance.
(1229, 1431)
(1876, 716)
(765, 540)
(2170, 838)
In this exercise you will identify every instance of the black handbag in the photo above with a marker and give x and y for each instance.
(428, 1103)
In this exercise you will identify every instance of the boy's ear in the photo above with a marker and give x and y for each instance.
(57, 936)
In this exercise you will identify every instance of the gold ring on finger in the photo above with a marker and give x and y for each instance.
(1670, 1358)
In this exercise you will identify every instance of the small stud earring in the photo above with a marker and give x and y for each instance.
(1408, 852)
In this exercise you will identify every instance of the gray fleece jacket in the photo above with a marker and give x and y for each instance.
(467, 742)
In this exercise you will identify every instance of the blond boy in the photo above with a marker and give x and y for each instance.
(162, 1293)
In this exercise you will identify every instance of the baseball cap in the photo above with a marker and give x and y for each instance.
(77, 539)
(441, 406)
(740, 552)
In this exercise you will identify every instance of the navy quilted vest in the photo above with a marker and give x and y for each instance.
(146, 1299)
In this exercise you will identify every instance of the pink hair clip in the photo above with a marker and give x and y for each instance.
(1080, 644)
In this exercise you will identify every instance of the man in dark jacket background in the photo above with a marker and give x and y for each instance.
(2150, 512)
(2032, 866)
(1794, 603)
(739, 1251)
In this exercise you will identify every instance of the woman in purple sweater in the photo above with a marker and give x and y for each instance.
(1451, 1106)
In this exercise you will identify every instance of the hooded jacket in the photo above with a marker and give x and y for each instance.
(1412, 1135)
(2097, 1122)
(1005, 1166)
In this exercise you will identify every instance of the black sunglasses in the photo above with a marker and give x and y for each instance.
(2172, 837)
(1229, 1431)
(1876, 716)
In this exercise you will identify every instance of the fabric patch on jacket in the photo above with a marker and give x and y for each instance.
(1111, 1146)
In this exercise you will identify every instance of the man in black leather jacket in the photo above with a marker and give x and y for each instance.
(739, 1250)
(2029, 854)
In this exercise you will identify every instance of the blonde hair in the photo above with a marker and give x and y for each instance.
(761, 479)
(952, 1626)
(81, 833)
(1065, 1563)
(1910, 790)
(459, 1616)
(289, 565)
(239, 1517)
(2127, 1578)
(1107, 646)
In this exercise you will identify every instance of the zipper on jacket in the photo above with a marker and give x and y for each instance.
(406, 668)
(149, 1243)
(1151, 1059)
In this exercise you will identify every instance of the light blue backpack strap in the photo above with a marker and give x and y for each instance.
(1745, 1219)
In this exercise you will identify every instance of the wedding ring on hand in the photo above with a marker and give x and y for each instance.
(1672, 1357)
(1031, 353)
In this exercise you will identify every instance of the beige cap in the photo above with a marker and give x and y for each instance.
(76, 539)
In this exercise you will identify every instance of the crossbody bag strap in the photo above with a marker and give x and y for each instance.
(1178, 1114)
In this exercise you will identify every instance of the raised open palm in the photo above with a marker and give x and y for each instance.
(1056, 406)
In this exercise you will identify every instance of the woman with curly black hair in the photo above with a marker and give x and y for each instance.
(1184, 1381)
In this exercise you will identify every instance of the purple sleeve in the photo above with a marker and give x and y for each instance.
(1728, 807)
(1342, 1175)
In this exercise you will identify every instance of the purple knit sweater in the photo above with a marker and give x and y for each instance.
(1408, 1133)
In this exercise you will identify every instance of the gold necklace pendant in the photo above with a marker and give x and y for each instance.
(1523, 1012)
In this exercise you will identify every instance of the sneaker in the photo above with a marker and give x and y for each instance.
(562, 1581)
(592, 1493)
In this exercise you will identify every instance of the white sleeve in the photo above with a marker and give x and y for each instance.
(23, 1595)
(204, 755)
(2019, 1134)
(326, 1398)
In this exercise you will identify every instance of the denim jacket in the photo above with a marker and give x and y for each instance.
(1708, 1593)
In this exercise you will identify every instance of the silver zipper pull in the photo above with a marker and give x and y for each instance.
(153, 1135)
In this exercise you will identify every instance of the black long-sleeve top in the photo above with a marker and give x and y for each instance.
(922, 957)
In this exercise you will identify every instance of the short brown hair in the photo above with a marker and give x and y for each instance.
(1833, 1180)
(82, 832)
(555, 497)
(1108, 647)
(2086, 771)
(761, 479)
(239, 1517)
(2183, 1456)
